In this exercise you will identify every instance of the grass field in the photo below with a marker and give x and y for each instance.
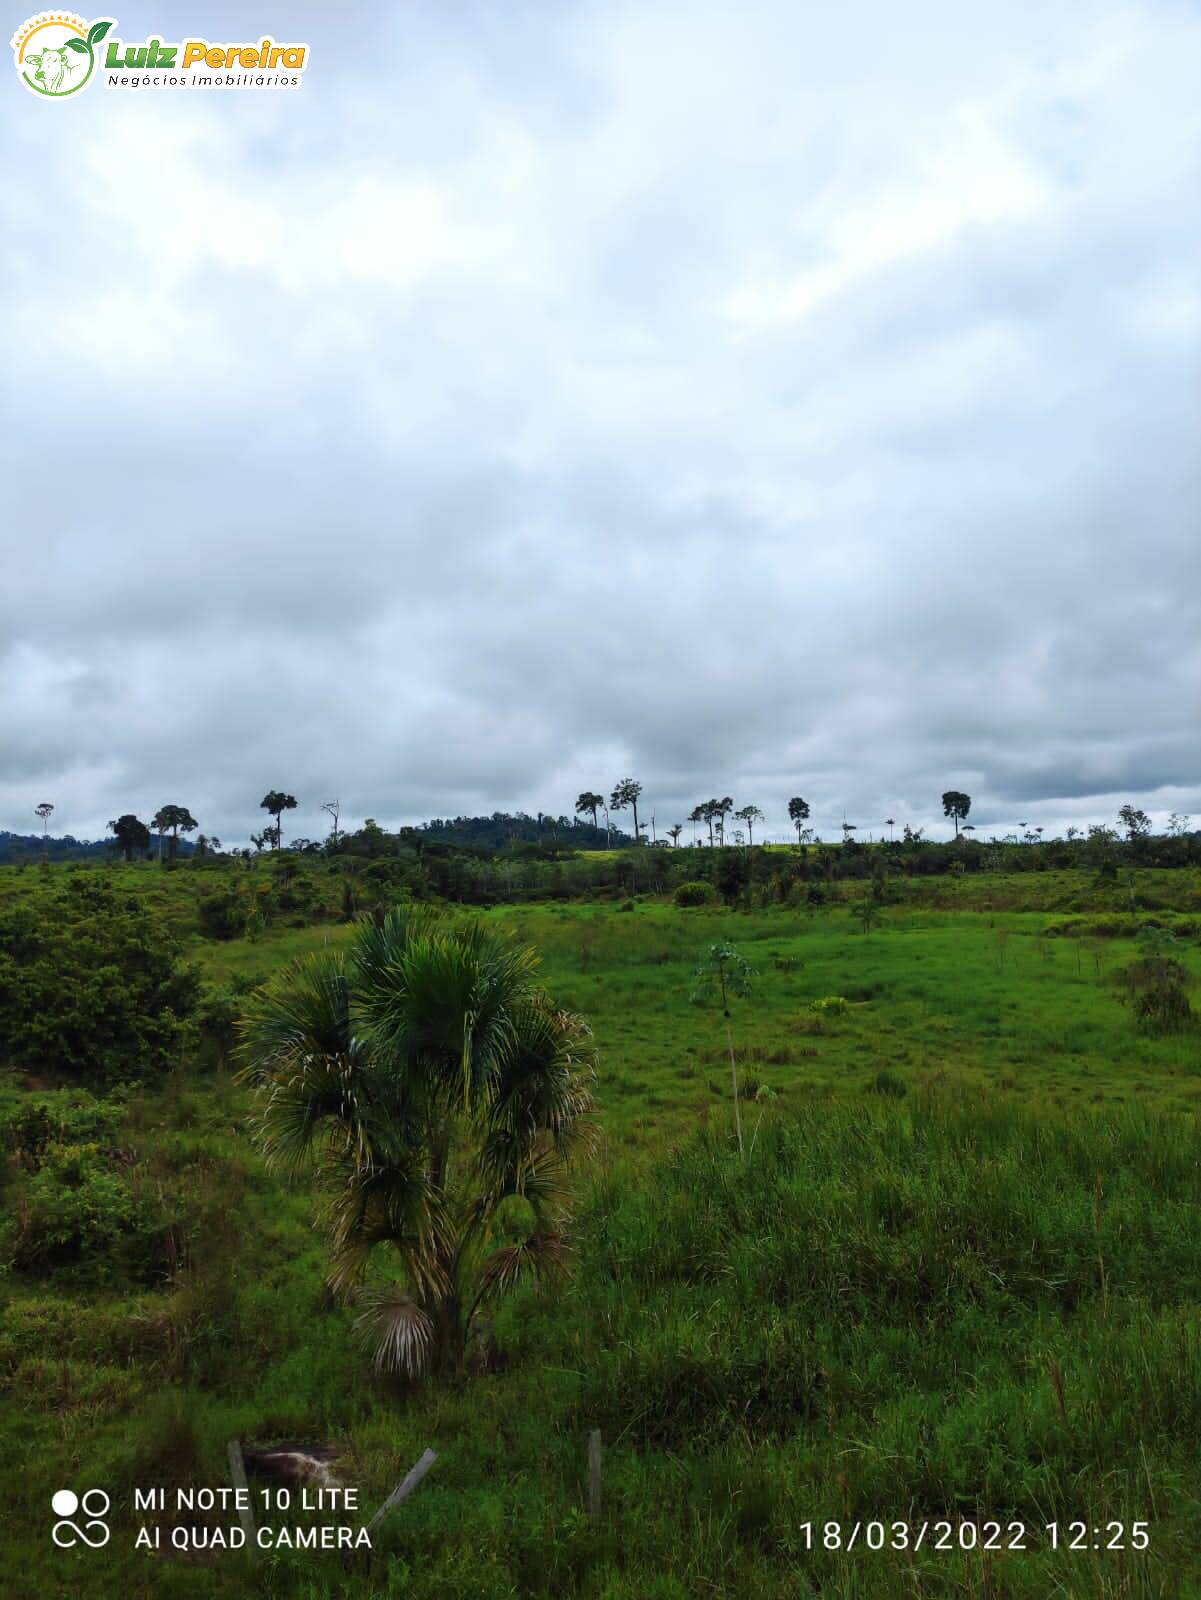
(957, 1277)
(984, 999)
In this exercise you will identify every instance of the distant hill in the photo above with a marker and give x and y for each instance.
(18, 847)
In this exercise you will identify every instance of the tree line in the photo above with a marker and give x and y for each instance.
(171, 824)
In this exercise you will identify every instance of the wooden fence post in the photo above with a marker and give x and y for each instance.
(404, 1488)
(237, 1471)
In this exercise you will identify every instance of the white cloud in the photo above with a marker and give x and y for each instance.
(758, 399)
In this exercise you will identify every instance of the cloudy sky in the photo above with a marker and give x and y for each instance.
(754, 399)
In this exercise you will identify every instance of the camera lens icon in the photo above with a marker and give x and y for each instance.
(94, 1504)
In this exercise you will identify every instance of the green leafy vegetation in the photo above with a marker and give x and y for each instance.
(90, 987)
(435, 1088)
(951, 1273)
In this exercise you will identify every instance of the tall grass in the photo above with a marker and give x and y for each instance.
(956, 1301)
(939, 1307)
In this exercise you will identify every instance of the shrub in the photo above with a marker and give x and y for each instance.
(222, 914)
(887, 1083)
(695, 893)
(91, 985)
(1156, 984)
(216, 1017)
(35, 1122)
(830, 1005)
(74, 1202)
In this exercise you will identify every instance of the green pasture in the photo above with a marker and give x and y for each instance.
(981, 999)
(957, 1275)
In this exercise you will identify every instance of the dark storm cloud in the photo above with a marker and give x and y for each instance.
(756, 404)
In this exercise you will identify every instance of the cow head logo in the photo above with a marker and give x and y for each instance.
(55, 52)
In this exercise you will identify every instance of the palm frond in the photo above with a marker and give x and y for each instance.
(388, 1206)
(543, 1084)
(303, 1011)
(402, 1333)
(545, 1256)
(542, 1181)
(438, 1004)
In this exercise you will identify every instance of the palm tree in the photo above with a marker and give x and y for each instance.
(434, 1088)
(673, 833)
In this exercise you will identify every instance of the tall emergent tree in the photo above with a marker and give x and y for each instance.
(275, 802)
(438, 1095)
(956, 806)
(721, 810)
(589, 805)
(798, 811)
(175, 818)
(334, 810)
(750, 815)
(131, 834)
(625, 794)
(45, 811)
(1136, 823)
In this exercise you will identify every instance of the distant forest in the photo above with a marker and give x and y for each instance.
(504, 829)
(15, 847)
(501, 831)
(517, 836)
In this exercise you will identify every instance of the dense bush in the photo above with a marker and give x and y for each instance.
(31, 1123)
(222, 914)
(75, 1201)
(67, 1188)
(695, 894)
(1156, 984)
(90, 986)
(218, 1007)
